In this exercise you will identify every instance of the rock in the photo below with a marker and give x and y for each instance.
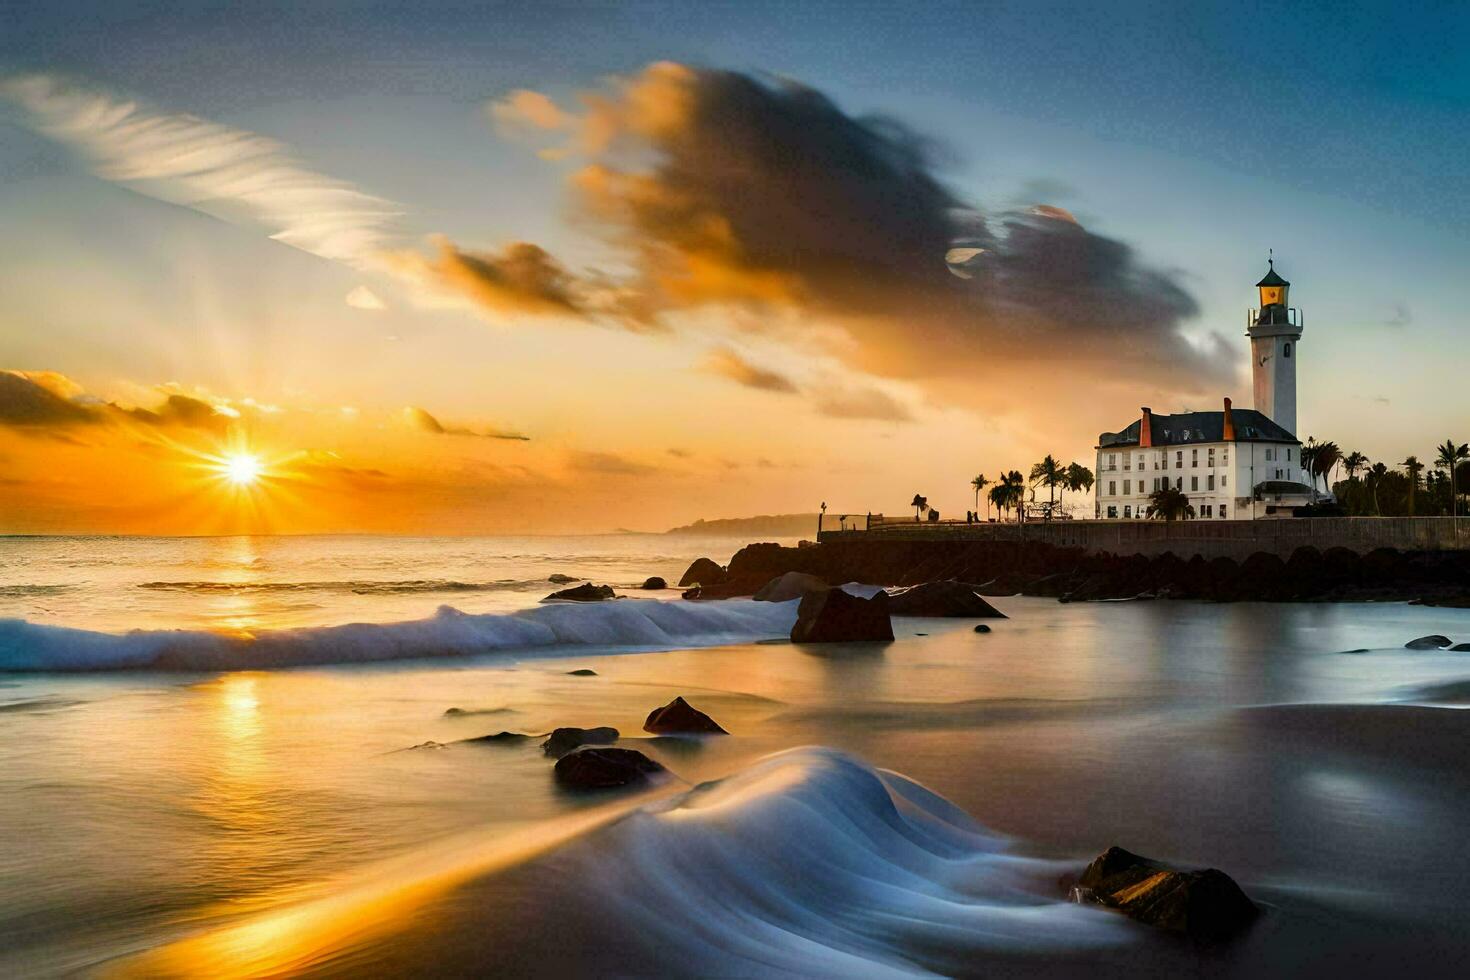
(680, 717)
(594, 768)
(1461, 648)
(981, 628)
(563, 740)
(703, 572)
(952, 599)
(1433, 641)
(653, 583)
(792, 585)
(834, 616)
(586, 592)
(501, 738)
(1206, 905)
(426, 745)
(558, 578)
(582, 672)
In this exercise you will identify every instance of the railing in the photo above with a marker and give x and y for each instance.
(1292, 318)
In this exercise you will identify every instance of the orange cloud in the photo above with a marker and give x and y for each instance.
(725, 363)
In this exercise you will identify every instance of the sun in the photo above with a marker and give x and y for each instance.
(242, 469)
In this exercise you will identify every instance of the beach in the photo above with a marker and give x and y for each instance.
(877, 809)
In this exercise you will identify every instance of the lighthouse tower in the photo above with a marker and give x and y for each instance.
(1274, 330)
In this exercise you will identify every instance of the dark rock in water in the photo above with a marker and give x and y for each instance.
(584, 593)
(703, 572)
(558, 578)
(792, 585)
(465, 712)
(1433, 641)
(680, 717)
(563, 740)
(654, 582)
(594, 768)
(834, 616)
(501, 738)
(1461, 648)
(1206, 905)
(582, 672)
(981, 628)
(953, 599)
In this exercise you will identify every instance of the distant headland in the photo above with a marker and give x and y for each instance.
(773, 525)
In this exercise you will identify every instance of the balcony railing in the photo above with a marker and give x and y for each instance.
(1271, 315)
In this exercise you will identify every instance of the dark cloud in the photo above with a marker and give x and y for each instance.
(429, 423)
(25, 403)
(520, 278)
(727, 364)
(45, 401)
(765, 193)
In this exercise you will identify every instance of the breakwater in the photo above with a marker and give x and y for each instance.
(1029, 567)
(1186, 539)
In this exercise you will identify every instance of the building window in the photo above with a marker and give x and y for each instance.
(1127, 487)
(1212, 456)
(1205, 511)
(1288, 454)
(1112, 461)
(1127, 511)
(1210, 482)
(1226, 460)
(1224, 480)
(1194, 457)
(1222, 510)
(1112, 488)
(1194, 483)
(1286, 350)
(1112, 512)
(1179, 483)
(1270, 454)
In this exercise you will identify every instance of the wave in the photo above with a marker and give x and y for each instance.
(806, 863)
(641, 623)
(407, 586)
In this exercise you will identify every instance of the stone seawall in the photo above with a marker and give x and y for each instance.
(1208, 539)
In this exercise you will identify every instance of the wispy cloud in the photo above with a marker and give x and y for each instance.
(428, 423)
(726, 363)
(205, 165)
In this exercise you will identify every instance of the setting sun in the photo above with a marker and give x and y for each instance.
(242, 469)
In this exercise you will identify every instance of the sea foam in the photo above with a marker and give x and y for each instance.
(639, 623)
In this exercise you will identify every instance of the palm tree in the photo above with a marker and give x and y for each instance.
(1050, 474)
(980, 483)
(1450, 456)
(1000, 496)
(1009, 492)
(1309, 454)
(1169, 504)
(919, 504)
(1079, 478)
(1324, 461)
(1355, 461)
(1374, 477)
(1413, 467)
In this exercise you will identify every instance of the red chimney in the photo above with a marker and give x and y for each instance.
(1229, 423)
(1146, 429)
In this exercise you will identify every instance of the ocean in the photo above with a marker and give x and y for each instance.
(237, 756)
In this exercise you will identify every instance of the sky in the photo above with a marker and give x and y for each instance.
(492, 268)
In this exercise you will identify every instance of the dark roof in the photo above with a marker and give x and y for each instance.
(1196, 427)
(1272, 278)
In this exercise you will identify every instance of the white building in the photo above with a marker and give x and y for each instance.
(1235, 463)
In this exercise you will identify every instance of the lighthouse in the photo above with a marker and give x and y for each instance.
(1274, 330)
